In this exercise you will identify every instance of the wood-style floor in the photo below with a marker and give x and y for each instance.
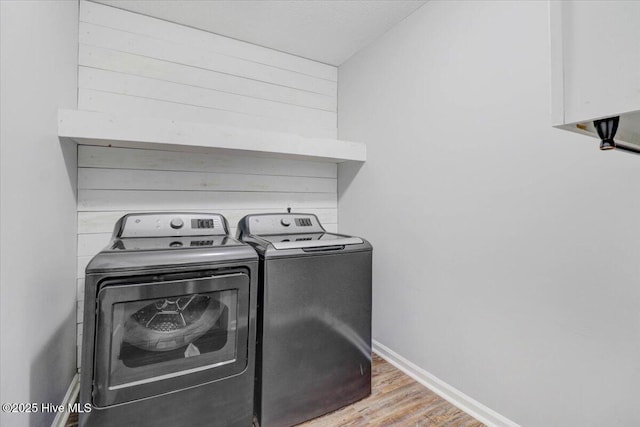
(396, 400)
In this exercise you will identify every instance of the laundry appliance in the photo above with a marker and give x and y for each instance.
(314, 327)
(170, 325)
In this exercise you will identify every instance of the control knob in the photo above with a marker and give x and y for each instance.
(176, 223)
(285, 221)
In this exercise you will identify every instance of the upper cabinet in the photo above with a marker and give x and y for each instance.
(595, 67)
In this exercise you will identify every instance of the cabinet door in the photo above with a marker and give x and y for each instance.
(595, 59)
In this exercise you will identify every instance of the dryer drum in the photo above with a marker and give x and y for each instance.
(167, 324)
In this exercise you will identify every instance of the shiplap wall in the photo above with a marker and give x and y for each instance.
(134, 65)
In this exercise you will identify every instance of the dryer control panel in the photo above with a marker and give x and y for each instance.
(285, 223)
(168, 224)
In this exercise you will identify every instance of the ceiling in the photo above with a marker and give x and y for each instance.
(328, 31)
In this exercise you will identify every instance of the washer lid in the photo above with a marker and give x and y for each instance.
(311, 240)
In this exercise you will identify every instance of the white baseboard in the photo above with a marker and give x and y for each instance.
(69, 398)
(454, 396)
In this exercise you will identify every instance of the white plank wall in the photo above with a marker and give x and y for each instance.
(134, 65)
(120, 62)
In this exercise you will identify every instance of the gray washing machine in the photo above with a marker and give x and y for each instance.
(170, 325)
(314, 311)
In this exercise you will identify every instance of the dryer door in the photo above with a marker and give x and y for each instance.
(158, 337)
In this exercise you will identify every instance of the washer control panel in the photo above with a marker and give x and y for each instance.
(172, 224)
(285, 223)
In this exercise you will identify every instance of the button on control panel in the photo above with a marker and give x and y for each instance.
(176, 223)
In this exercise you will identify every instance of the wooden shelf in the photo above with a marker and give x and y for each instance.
(92, 128)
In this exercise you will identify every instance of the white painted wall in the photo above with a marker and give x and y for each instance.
(144, 67)
(506, 251)
(38, 197)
